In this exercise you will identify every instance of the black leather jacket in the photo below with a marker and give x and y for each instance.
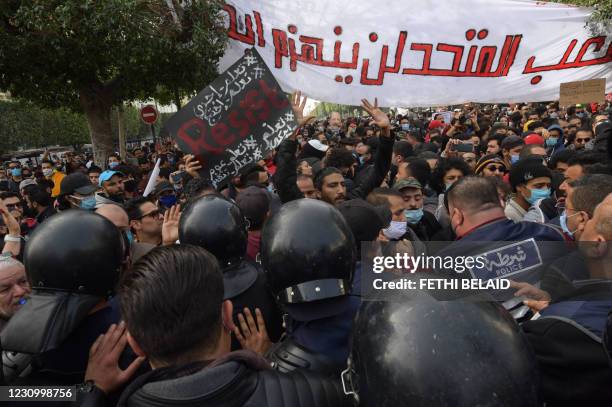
(241, 378)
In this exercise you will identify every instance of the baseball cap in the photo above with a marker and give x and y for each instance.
(108, 174)
(316, 144)
(511, 142)
(25, 183)
(407, 183)
(364, 219)
(534, 138)
(77, 182)
(254, 204)
(163, 186)
(528, 169)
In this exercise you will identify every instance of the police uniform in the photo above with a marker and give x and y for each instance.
(567, 340)
(218, 226)
(308, 252)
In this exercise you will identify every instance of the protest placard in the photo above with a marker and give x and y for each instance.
(589, 91)
(236, 120)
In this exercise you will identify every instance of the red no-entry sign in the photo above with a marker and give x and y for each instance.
(148, 114)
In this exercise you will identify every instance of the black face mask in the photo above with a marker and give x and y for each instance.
(130, 185)
(29, 212)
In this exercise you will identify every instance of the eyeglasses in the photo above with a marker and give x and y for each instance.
(13, 206)
(583, 140)
(153, 214)
(497, 168)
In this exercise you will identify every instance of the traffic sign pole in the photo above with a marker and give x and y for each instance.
(149, 115)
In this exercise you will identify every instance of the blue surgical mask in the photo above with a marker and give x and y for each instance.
(405, 127)
(395, 230)
(361, 160)
(168, 200)
(447, 186)
(413, 216)
(537, 194)
(552, 141)
(581, 114)
(270, 188)
(113, 165)
(16, 172)
(563, 223)
(89, 203)
(514, 158)
(130, 236)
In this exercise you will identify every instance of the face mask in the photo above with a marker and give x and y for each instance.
(113, 165)
(447, 186)
(590, 145)
(514, 158)
(47, 172)
(361, 160)
(130, 237)
(581, 114)
(405, 127)
(168, 200)
(29, 212)
(414, 215)
(270, 188)
(537, 194)
(563, 222)
(395, 230)
(554, 115)
(16, 172)
(89, 203)
(551, 141)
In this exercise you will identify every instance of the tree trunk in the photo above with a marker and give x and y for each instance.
(177, 100)
(121, 127)
(97, 105)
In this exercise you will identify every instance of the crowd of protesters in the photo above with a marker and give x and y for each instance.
(198, 273)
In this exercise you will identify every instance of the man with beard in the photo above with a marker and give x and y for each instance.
(111, 183)
(330, 182)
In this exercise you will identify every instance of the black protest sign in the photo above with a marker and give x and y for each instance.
(236, 120)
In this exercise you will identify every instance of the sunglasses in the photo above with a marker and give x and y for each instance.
(498, 168)
(583, 140)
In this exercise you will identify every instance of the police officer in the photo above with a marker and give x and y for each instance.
(520, 251)
(415, 351)
(308, 251)
(216, 224)
(73, 262)
(567, 336)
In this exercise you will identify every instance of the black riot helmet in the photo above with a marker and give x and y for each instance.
(308, 251)
(416, 351)
(217, 225)
(75, 251)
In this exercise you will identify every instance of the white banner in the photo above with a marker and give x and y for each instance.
(420, 52)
